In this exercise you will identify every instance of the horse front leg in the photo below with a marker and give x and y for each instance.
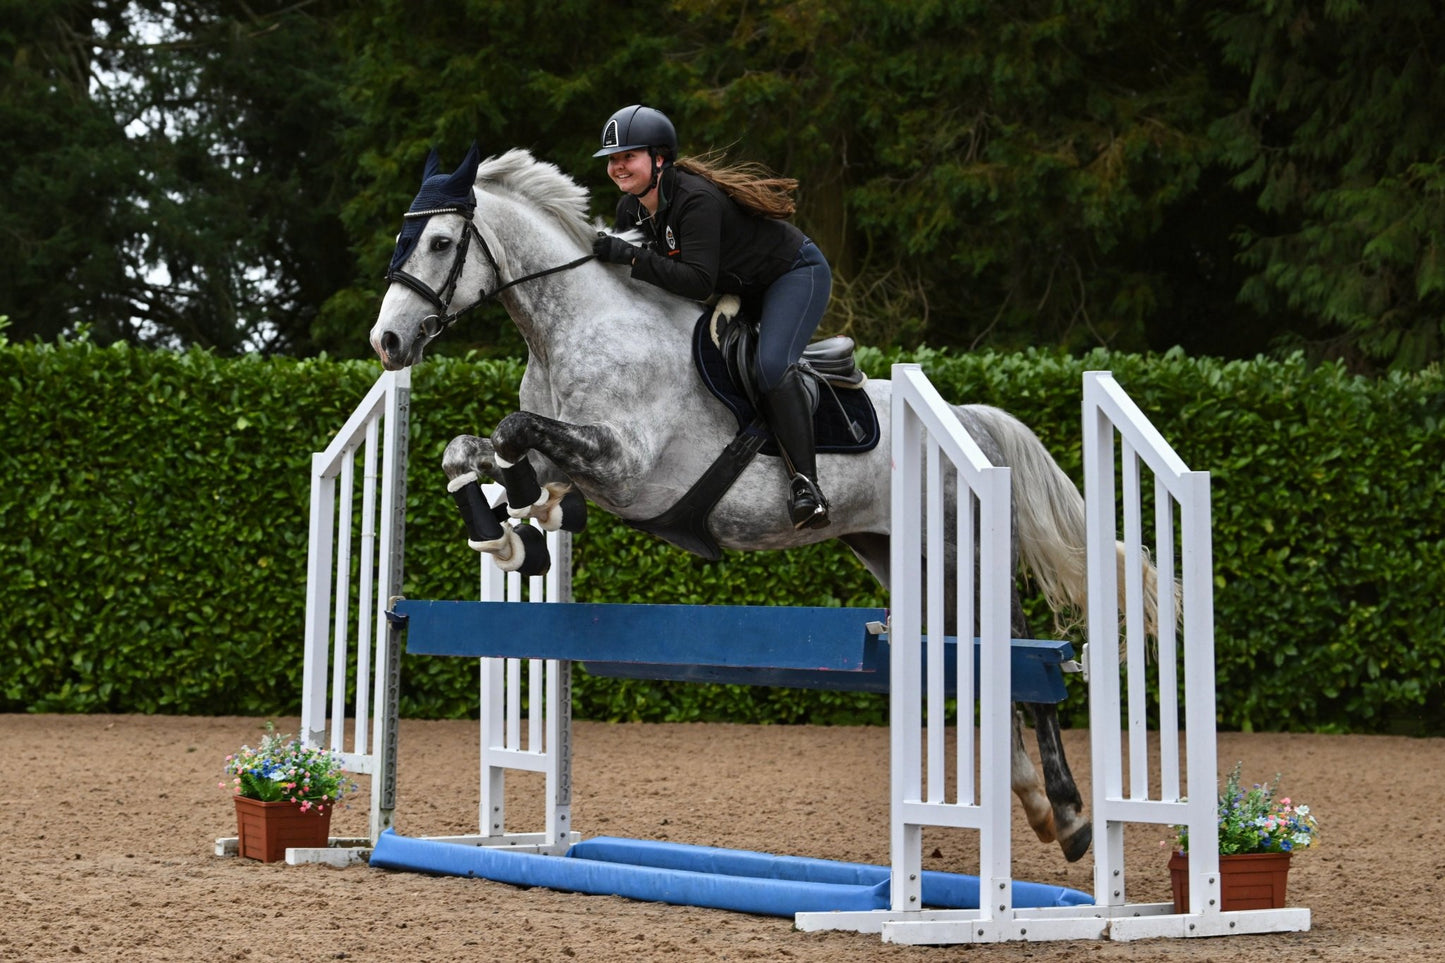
(593, 455)
(555, 505)
(516, 548)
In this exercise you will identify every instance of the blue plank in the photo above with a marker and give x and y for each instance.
(809, 648)
(759, 636)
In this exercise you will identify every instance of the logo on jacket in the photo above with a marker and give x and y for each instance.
(671, 241)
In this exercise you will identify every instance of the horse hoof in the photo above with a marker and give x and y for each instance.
(536, 560)
(1077, 844)
(574, 512)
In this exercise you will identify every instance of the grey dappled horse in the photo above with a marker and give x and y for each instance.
(611, 403)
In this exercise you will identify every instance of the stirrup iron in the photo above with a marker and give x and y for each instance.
(806, 505)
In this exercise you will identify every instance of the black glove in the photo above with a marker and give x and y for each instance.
(613, 249)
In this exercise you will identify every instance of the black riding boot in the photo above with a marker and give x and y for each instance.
(789, 414)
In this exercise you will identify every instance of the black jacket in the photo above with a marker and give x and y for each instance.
(703, 243)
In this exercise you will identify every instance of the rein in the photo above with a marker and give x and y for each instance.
(435, 324)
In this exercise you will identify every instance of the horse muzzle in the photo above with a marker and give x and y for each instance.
(394, 353)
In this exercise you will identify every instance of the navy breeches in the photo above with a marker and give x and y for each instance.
(792, 308)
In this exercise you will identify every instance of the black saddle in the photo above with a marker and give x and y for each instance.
(725, 352)
(829, 361)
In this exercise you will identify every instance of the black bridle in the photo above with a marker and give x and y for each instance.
(435, 324)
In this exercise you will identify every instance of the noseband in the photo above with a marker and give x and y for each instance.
(435, 324)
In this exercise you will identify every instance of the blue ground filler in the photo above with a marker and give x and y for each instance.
(685, 875)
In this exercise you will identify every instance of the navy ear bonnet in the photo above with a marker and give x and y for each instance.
(440, 193)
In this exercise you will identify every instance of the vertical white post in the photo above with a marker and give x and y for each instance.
(395, 429)
(1198, 576)
(1165, 561)
(995, 699)
(328, 659)
(367, 611)
(904, 633)
(342, 603)
(1103, 650)
(318, 597)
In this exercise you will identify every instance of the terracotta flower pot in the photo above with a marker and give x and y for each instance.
(267, 829)
(1246, 881)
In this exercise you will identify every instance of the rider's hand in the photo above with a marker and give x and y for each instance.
(613, 249)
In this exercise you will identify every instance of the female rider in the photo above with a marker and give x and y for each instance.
(715, 229)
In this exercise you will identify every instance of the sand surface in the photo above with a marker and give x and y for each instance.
(108, 823)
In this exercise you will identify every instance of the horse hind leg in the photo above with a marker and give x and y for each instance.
(1074, 830)
(1054, 809)
(1028, 787)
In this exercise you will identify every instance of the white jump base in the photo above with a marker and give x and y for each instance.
(341, 852)
(929, 450)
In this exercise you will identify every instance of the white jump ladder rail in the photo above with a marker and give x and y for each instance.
(376, 433)
(932, 456)
(1181, 495)
(928, 440)
(372, 541)
(544, 744)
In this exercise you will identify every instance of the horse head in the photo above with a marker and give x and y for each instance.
(431, 263)
(532, 212)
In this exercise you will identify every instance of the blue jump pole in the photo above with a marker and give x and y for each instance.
(812, 648)
(731, 879)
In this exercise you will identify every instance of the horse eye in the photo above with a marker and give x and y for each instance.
(440, 243)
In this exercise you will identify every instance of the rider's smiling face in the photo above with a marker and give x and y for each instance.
(630, 170)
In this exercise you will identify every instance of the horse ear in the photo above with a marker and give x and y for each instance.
(433, 164)
(466, 175)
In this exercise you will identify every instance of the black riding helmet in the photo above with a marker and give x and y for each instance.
(636, 128)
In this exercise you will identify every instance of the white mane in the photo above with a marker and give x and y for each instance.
(542, 184)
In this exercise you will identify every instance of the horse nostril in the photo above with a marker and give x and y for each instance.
(390, 344)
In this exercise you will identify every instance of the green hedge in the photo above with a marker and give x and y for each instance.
(153, 521)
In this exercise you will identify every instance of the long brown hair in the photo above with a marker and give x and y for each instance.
(751, 185)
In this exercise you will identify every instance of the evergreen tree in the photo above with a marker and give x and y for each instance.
(176, 179)
(1339, 142)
